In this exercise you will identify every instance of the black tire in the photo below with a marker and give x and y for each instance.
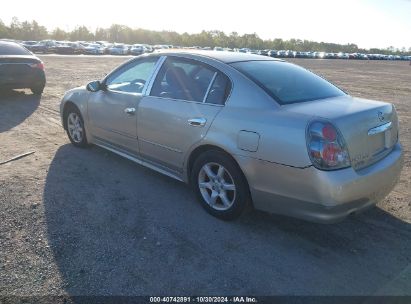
(37, 90)
(75, 141)
(241, 199)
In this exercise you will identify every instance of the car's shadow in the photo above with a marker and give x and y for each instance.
(116, 228)
(15, 107)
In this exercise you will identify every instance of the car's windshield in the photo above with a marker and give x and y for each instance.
(287, 83)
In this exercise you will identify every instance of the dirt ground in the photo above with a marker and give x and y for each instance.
(87, 222)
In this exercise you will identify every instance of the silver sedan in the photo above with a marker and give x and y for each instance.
(243, 130)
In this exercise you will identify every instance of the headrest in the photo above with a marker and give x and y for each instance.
(176, 77)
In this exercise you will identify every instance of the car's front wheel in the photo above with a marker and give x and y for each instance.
(75, 127)
(220, 185)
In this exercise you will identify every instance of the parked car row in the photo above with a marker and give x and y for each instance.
(104, 47)
(89, 48)
(322, 55)
(325, 55)
(314, 55)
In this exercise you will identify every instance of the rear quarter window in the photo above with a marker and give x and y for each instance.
(219, 91)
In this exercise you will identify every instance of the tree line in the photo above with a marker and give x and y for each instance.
(32, 30)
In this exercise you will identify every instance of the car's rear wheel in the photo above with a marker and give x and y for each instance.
(37, 90)
(220, 185)
(75, 127)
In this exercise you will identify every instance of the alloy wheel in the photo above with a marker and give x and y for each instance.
(75, 127)
(217, 186)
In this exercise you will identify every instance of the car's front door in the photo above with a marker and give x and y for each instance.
(112, 112)
(184, 100)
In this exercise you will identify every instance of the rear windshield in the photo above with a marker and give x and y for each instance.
(287, 83)
(12, 49)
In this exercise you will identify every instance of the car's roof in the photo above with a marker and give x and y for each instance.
(10, 43)
(8, 48)
(223, 56)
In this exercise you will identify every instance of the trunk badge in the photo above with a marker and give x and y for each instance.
(381, 116)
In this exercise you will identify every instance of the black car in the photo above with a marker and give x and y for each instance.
(70, 48)
(44, 46)
(20, 69)
(263, 52)
(137, 49)
(272, 53)
(28, 44)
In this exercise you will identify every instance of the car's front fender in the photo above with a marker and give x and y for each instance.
(78, 97)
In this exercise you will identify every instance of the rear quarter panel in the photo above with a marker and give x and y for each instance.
(249, 108)
(281, 134)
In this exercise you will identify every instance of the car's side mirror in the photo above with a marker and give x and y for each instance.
(95, 86)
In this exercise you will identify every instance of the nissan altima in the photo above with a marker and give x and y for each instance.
(243, 130)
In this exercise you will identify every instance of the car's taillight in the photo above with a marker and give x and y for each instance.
(326, 146)
(38, 65)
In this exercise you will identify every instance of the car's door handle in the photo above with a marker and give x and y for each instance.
(197, 122)
(130, 111)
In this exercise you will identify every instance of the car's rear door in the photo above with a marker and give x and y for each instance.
(179, 110)
(112, 112)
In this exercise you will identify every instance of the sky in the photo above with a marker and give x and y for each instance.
(367, 23)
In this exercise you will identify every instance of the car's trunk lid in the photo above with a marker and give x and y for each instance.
(14, 67)
(369, 128)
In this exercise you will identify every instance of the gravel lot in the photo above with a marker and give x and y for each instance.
(87, 222)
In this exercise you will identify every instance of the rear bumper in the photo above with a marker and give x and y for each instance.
(320, 196)
(35, 79)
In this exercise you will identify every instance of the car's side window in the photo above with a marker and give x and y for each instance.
(132, 78)
(183, 79)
